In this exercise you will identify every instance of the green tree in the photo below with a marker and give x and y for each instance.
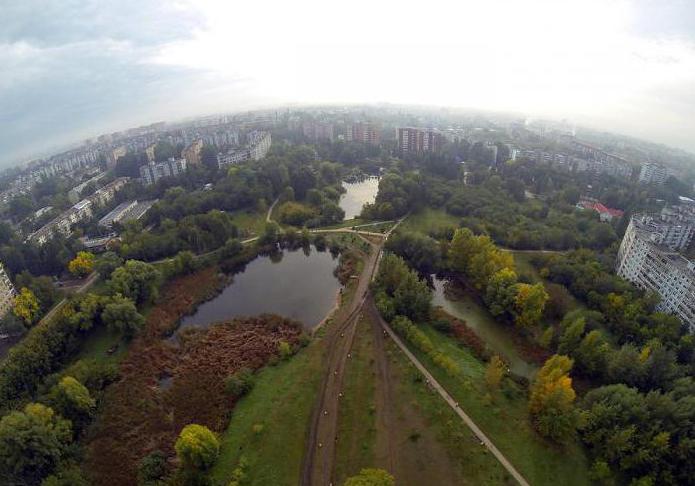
(371, 477)
(152, 468)
(136, 280)
(122, 316)
(197, 448)
(32, 442)
(501, 292)
(26, 306)
(107, 263)
(572, 336)
(72, 400)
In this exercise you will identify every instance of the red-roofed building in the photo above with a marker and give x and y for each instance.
(605, 214)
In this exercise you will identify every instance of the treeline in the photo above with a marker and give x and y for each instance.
(403, 300)
(491, 204)
(640, 420)
(491, 272)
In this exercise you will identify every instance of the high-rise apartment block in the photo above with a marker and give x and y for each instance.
(363, 132)
(651, 173)
(258, 144)
(419, 140)
(192, 153)
(656, 267)
(154, 171)
(318, 131)
(7, 293)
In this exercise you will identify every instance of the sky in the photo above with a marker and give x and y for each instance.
(73, 69)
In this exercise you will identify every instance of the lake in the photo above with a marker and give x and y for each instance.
(357, 195)
(293, 283)
(496, 335)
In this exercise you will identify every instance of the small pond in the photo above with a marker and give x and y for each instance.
(357, 195)
(298, 284)
(495, 334)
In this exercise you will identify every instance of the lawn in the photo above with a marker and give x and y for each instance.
(503, 416)
(468, 461)
(430, 221)
(356, 422)
(280, 404)
(250, 222)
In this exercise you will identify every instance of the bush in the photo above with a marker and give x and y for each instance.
(240, 383)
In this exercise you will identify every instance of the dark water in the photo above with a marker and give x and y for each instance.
(495, 334)
(291, 284)
(357, 195)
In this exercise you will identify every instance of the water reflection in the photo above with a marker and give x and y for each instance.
(476, 317)
(357, 195)
(298, 284)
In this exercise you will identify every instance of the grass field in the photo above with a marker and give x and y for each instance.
(280, 404)
(503, 416)
(429, 221)
(250, 222)
(468, 461)
(356, 422)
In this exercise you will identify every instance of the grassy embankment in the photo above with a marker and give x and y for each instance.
(281, 402)
(503, 416)
(429, 444)
(356, 420)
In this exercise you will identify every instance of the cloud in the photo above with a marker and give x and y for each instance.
(76, 68)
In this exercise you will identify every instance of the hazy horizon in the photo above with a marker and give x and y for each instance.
(82, 69)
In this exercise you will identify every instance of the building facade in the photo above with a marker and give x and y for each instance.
(655, 267)
(258, 144)
(192, 153)
(651, 173)
(7, 292)
(419, 140)
(363, 132)
(154, 171)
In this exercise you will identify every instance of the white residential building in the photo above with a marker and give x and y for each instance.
(651, 173)
(257, 147)
(153, 172)
(655, 267)
(7, 292)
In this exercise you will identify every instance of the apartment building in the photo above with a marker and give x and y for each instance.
(81, 211)
(653, 266)
(192, 153)
(318, 131)
(363, 132)
(651, 173)
(258, 144)
(419, 140)
(154, 171)
(7, 292)
(113, 155)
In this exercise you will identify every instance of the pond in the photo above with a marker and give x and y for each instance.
(298, 284)
(495, 334)
(357, 195)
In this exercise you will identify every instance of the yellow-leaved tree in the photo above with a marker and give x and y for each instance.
(82, 265)
(552, 400)
(26, 306)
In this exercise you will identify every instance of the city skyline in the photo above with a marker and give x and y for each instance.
(626, 67)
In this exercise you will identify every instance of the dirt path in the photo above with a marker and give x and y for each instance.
(317, 468)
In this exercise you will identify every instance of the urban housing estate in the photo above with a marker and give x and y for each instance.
(649, 257)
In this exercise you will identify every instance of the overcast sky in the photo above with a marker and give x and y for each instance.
(77, 68)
